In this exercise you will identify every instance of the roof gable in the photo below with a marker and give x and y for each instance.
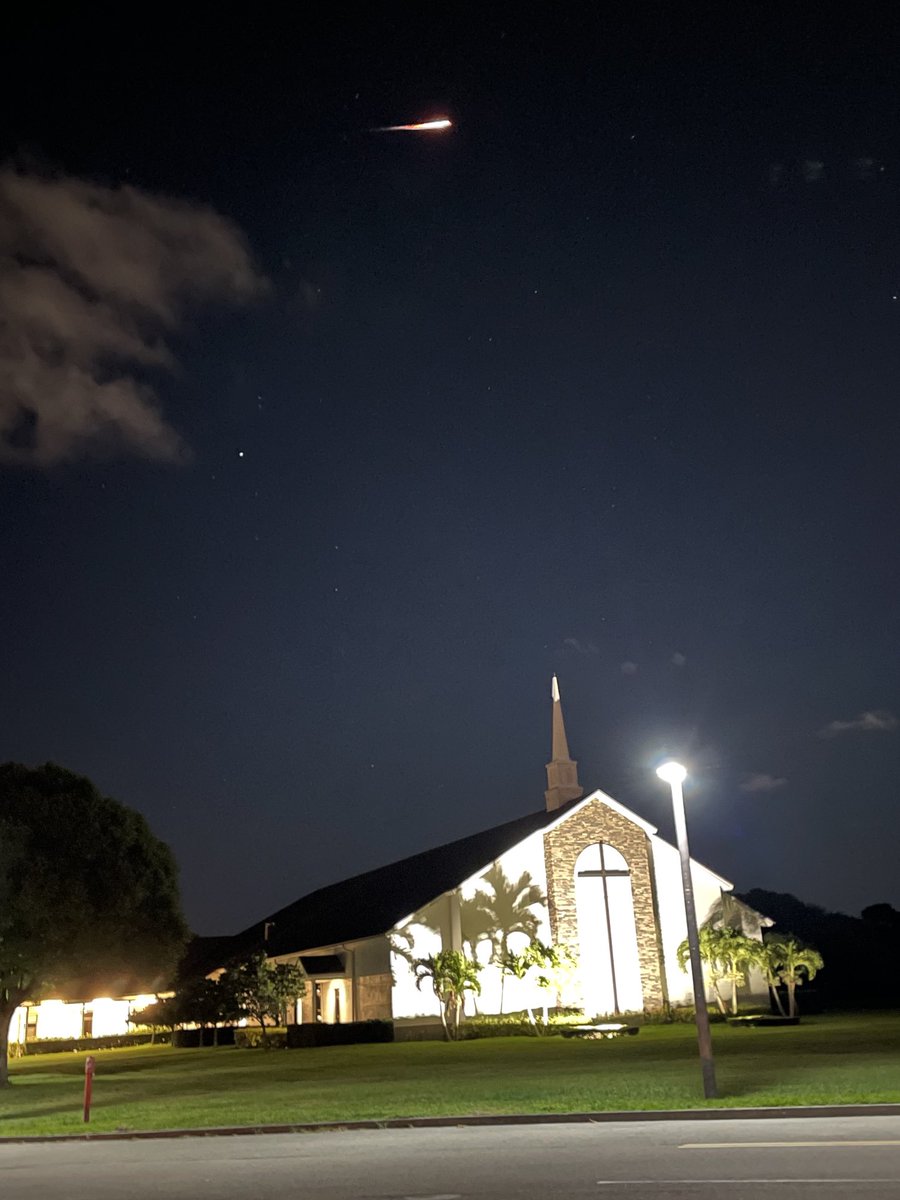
(575, 806)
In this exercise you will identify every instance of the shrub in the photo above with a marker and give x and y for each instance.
(683, 1014)
(487, 1027)
(251, 1038)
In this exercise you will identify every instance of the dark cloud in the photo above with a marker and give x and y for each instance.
(92, 279)
(580, 646)
(762, 782)
(875, 721)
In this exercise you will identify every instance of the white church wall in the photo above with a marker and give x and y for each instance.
(512, 995)
(418, 940)
(437, 927)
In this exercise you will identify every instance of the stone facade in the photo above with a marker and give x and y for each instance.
(597, 822)
(373, 997)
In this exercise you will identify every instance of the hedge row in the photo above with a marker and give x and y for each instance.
(191, 1038)
(61, 1045)
(348, 1033)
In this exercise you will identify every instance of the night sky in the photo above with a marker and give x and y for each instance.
(603, 381)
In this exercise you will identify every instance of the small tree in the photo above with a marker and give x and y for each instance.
(793, 963)
(259, 990)
(451, 975)
(163, 1013)
(554, 965)
(205, 1002)
(545, 966)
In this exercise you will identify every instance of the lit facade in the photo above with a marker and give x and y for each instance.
(101, 1017)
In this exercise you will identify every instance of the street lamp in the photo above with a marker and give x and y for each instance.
(674, 774)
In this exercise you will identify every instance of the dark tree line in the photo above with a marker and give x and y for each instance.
(861, 953)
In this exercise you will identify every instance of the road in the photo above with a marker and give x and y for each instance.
(791, 1159)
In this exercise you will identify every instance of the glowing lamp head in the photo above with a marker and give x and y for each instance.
(672, 772)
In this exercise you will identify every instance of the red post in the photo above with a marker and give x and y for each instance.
(89, 1067)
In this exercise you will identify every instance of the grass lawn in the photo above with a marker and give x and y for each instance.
(829, 1059)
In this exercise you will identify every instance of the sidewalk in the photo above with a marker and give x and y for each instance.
(687, 1114)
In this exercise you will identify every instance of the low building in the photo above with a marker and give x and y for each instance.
(87, 1008)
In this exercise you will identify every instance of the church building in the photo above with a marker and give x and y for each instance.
(584, 872)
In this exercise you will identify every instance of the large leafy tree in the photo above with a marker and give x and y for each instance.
(451, 974)
(260, 990)
(86, 890)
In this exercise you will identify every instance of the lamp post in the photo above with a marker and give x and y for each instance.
(674, 775)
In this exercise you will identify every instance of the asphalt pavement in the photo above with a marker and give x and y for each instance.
(791, 1159)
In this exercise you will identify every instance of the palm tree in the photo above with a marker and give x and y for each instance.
(505, 912)
(709, 955)
(728, 954)
(451, 975)
(768, 962)
(738, 953)
(793, 963)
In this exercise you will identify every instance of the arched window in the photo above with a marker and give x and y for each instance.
(610, 967)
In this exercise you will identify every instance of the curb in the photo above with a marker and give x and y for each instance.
(585, 1118)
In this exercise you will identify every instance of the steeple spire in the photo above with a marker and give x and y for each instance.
(562, 772)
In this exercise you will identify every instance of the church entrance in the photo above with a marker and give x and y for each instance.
(610, 967)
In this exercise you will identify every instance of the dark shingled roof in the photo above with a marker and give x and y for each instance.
(373, 903)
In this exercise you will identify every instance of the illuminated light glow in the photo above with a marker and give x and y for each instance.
(56, 1019)
(110, 1016)
(672, 772)
(418, 127)
(140, 1002)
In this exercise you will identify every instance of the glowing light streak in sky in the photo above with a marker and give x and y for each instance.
(419, 127)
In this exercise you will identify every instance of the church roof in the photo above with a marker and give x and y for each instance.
(376, 901)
